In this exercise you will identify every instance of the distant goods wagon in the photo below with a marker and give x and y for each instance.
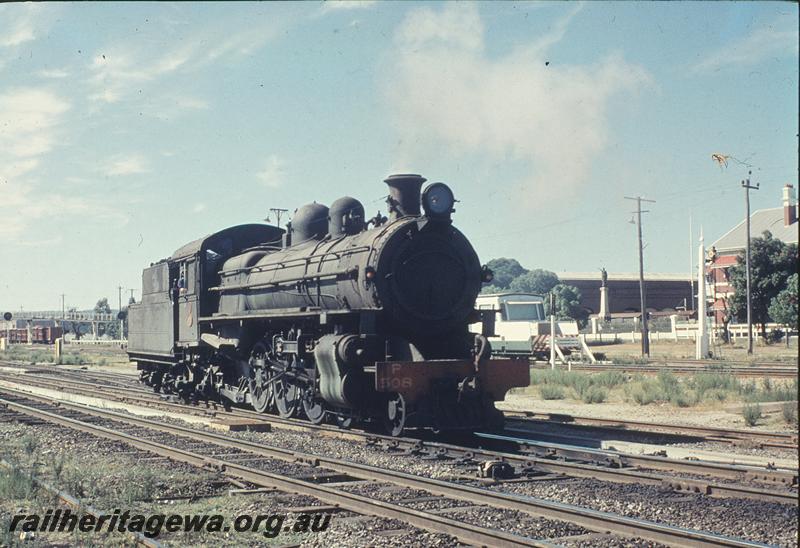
(39, 335)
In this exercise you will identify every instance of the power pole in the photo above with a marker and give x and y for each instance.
(747, 187)
(63, 311)
(552, 331)
(642, 300)
(119, 312)
(691, 260)
(278, 212)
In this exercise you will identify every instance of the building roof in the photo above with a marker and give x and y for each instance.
(625, 276)
(763, 219)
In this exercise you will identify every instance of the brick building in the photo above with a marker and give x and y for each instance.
(664, 292)
(780, 221)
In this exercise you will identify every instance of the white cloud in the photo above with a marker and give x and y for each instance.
(24, 111)
(778, 39)
(194, 103)
(199, 207)
(53, 73)
(120, 71)
(31, 121)
(274, 173)
(18, 24)
(334, 5)
(125, 165)
(447, 93)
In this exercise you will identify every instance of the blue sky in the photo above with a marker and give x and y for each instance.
(128, 129)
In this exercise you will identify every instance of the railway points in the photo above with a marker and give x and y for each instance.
(79, 417)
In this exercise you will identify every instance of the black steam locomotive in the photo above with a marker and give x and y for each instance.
(339, 318)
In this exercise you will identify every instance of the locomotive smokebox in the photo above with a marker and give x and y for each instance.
(404, 194)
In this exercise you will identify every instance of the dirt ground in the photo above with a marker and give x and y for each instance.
(716, 417)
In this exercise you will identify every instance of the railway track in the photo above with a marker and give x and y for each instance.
(578, 424)
(784, 372)
(228, 456)
(524, 455)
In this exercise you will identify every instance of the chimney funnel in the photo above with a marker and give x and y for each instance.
(404, 194)
(789, 208)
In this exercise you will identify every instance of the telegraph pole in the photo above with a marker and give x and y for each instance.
(642, 300)
(747, 187)
(63, 310)
(691, 260)
(119, 312)
(278, 212)
(552, 331)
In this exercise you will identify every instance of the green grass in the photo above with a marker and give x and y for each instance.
(629, 360)
(74, 359)
(665, 388)
(711, 387)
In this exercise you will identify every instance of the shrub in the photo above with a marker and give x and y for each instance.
(790, 412)
(751, 414)
(642, 393)
(716, 394)
(704, 382)
(16, 485)
(684, 399)
(551, 392)
(609, 379)
(594, 394)
(73, 359)
(748, 388)
(668, 380)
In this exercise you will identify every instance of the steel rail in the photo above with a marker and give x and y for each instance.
(729, 435)
(588, 518)
(788, 372)
(531, 454)
(353, 502)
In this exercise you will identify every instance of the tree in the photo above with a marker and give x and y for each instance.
(505, 270)
(102, 306)
(783, 308)
(568, 307)
(489, 289)
(772, 262)
(536, 281)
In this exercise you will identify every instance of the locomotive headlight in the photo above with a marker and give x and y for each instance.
(438, 200)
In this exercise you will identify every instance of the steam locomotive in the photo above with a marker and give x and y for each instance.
(338, 318)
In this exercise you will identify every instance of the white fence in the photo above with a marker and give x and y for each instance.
(686, 330)
(97, 342)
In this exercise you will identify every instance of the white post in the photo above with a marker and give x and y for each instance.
(552, 333)
(701, 346)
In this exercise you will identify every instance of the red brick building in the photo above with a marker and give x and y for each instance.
(780, 221)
